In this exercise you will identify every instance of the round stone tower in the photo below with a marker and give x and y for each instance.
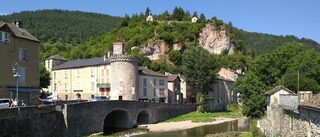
(123, 75)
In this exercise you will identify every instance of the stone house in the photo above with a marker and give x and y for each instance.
(273, 96)
(153, 86)
(305, 95)
(18, 45)
(222, 91)
(222, 94)
(187, 90)
(174, 94)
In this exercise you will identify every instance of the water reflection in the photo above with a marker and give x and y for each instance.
(236, 125)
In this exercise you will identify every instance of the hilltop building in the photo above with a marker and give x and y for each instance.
(150, 17)
(116, 76)
(18, 45)
(194, 19)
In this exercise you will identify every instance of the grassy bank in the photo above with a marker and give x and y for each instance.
(233, 111)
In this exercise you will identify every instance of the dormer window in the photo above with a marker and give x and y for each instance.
(4, 37)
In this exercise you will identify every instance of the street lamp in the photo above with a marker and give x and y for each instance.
(15, 70)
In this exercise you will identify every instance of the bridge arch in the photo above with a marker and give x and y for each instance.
(117, 120)
(144, 117)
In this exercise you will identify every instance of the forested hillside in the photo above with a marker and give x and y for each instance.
(265, 43)
(63, 25)
(76, 34)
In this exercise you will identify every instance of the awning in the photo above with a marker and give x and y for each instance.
(24, 89)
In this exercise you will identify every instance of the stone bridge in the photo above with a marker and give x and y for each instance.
(80, 119)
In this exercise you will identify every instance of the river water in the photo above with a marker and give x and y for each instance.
(240, 125)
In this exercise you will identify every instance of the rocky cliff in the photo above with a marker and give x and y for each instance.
(215, 41)
(155, 50)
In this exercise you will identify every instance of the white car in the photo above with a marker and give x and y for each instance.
(4, 103)
(99, 98)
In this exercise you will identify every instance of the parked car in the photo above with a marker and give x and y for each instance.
(4, 103)
(98, 98)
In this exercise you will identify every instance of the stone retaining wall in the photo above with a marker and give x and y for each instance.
(287, 123)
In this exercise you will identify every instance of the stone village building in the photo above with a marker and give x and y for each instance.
(222, 91)
(117, 77)
(286, 116)
(18, 45)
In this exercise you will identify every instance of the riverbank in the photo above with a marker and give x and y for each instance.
(172, 126)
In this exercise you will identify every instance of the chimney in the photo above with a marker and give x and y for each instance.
(18, 23)
(117, 48)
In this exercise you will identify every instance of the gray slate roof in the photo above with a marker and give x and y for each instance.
(173, 77)
(277, 88)
(146, 71)
(57, 57)
(82, 63)
(19, 32)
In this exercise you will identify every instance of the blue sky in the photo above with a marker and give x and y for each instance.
(281, 17)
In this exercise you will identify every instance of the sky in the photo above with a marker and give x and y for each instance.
(280, 17)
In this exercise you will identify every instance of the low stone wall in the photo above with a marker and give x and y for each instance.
(287, 123)
(31, 122)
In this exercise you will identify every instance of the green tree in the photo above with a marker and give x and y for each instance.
(178, 13)
(252, 94)
(176, 57)
(147, 12)
(44, 77)
(200, 67)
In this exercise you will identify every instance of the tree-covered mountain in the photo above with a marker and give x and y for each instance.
(265, 43)
(64, 25)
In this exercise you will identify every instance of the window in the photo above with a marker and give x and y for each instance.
(22, 54)
(92, 72)
(161, 82)
(66, 74)
(92, 86)
(144, 91)
(4, 37)
(154, 91)
(154, 82)
(55, 87)
(78, 86)
(144, 82)
(161, 91)
(78, 73)
(66, 87)
(22, 73)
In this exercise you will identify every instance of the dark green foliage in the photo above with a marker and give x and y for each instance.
(63, 25)
(178, 13)
(251, 91)
(200, 67)
(175, 57)
(44, 77)
(280, 67)
(265, 43)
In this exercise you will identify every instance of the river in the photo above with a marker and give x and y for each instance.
(239, 125)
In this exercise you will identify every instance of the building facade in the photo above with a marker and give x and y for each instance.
(18, 45)
(153, 86)
(116, 76)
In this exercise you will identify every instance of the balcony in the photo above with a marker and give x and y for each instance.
(103, 85)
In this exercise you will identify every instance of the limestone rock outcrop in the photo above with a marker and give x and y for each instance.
(215, 41)
(155, 50)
